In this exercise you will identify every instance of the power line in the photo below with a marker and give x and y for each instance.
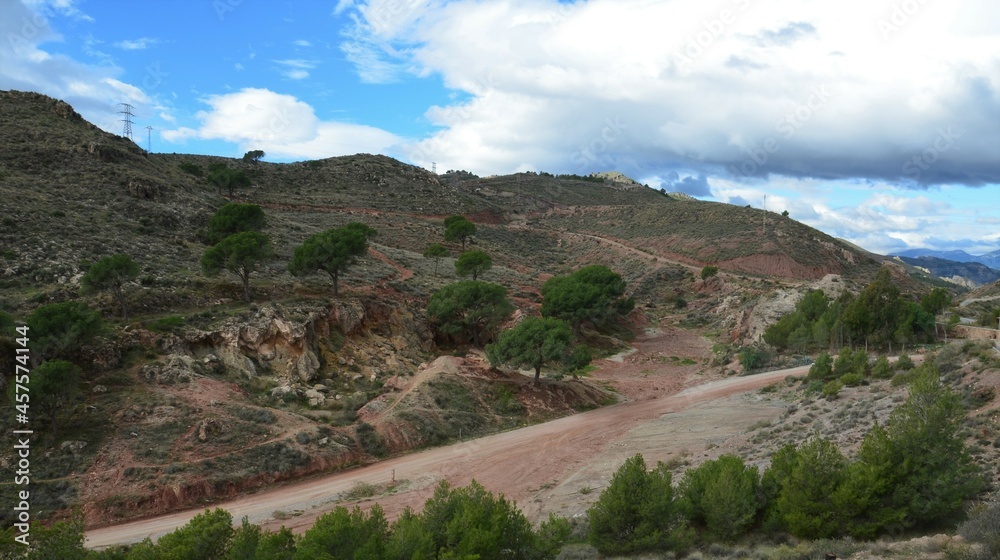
(127, 128)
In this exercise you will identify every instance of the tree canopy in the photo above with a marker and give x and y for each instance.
(55, 384)
(638, 512)
(229, 179)
(332, 251)
(111, 273)
(592, 293)
(533, 343)
(470, 308)
(239, 254)
(59, 329)
(458, 228)
(435, 251)
(253, 156)
(473, 263)
(879, 316)
(235, 217)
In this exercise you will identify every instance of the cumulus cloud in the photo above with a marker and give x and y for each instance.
(282, 126)
(719, 88)
(93, 90)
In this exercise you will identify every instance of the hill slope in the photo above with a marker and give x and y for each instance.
(969, 273)
(202, 394)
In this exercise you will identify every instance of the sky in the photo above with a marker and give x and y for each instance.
(876, 121)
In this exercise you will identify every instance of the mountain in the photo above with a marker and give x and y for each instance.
(969, 274)
(991, 260)
(203, 395)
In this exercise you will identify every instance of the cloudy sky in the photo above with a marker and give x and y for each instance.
(877, 121)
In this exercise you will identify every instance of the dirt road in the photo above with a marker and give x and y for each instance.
(519, 463)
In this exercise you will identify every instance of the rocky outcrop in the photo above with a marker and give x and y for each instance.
(300, 345)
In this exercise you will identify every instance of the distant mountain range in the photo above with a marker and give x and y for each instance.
(969, 274)
(991, 260)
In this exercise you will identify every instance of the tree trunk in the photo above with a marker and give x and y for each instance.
(121, 301)
(245, 275)
(336, 283)
(538, 373)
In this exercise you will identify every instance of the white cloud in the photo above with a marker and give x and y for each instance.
(66, 8)
(296, 69)
(282, 126)
(93, 90)
(832, 96)
(301, 43)
(137, 44)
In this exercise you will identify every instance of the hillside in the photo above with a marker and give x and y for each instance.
(202, 396)
(969, 274)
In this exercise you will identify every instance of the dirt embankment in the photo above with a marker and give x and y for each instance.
(543, 467)
(290, 393)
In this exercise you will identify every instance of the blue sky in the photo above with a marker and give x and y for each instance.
(875, 121)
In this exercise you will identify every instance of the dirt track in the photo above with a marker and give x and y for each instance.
(541, 466)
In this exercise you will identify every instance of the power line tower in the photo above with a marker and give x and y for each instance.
(127, 112)
(149, 139)
(434, 167)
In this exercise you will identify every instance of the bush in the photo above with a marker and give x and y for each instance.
(754, 357)
(882, 369)
(638, 512)
(983, 526)
(722, 495)
(832, 389)
(823, 367)
(852, 379)
(904, 363)
(192, 168)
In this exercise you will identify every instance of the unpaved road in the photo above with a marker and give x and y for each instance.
(519, 463)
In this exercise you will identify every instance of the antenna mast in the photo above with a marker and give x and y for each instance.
(149, 139)
(127, 128)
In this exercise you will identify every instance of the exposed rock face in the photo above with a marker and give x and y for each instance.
(175, 368)
(296, 344)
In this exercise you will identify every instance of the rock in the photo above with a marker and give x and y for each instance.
(176, 368)
(321, 388)
(315, 397)
(324, 441)
(279, 392)
(73, 447)
(307, 366)
(99, 389)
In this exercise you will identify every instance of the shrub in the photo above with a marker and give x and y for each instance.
(754, 357)
(638, 512)
(822, 368)
(192, 168)
(882, 369)
(904, 363)
(832, 389)
(852, 379)
(722, 496)
(983, 526)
